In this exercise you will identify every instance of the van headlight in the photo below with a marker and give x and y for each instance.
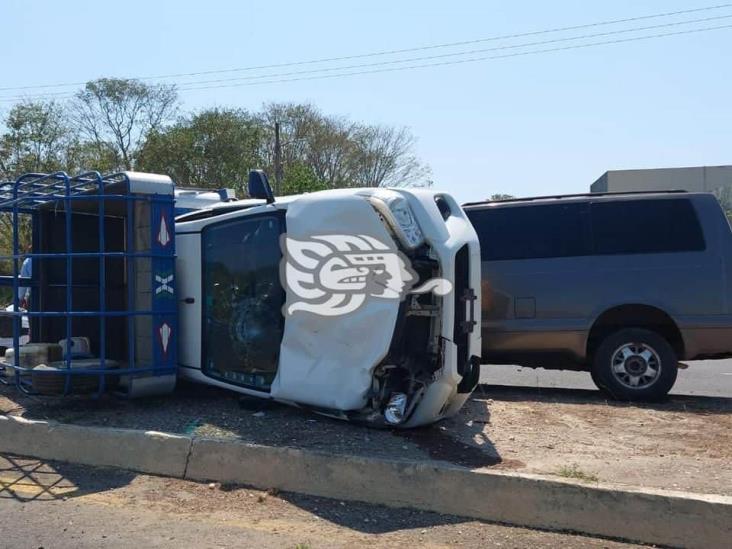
(399, 216)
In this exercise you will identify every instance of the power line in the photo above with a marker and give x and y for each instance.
(447, 44)
(458, 62)
(284, 77)
(394, 51)
(461, 53)
(462, 61)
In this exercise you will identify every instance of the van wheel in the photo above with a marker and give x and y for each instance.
(635, 364)
(596, 380)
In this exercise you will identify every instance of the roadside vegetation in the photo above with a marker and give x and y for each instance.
(122, 124)
(112, 125)
(574, 472)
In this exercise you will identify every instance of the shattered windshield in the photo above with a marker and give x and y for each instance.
(243, 324)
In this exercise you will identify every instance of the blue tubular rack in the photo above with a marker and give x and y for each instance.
(145, 203)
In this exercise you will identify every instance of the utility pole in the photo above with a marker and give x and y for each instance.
(277, 160)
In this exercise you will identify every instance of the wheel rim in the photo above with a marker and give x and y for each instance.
(636, 365)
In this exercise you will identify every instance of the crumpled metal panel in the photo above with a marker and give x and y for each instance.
(327, 361)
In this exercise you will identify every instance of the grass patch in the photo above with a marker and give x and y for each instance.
(573, 471)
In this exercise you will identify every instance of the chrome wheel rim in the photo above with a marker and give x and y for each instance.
(636, 365)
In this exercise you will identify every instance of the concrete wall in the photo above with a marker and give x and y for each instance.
(711, 179)
(600, 186)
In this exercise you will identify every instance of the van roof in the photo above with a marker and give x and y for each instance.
(587, 196)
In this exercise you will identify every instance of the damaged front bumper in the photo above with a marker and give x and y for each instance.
(456, 330)
(433, 363)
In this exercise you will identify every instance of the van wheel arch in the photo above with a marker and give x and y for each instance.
(634, 316)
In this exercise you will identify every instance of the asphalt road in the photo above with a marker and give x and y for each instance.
(711, 378)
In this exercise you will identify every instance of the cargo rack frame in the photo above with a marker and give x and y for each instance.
(146, 203)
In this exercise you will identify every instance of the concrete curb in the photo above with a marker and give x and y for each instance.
(656, 517)
(144, 451)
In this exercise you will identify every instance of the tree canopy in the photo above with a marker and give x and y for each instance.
(115, 115)
(37, 138)
(214, 148)
(121, 124)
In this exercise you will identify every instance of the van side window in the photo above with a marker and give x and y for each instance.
(645, 226)
(526, 232)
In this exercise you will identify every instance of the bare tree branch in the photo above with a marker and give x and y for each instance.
(117, 114)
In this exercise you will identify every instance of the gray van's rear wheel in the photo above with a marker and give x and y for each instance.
(596, 380)
(635, 364)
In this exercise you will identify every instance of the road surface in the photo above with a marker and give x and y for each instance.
(58, 506)
(703, 378)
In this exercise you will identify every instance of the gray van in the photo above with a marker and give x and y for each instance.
(623, 285)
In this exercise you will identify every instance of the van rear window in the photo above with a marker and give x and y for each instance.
(525, 232)
(645, 226)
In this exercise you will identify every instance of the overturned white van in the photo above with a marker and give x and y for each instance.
(362, 304)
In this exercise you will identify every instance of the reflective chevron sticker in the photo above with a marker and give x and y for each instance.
(165, 332)
(163, 233)
(164, 285)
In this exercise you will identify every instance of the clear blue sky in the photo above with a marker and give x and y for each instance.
(539, 124)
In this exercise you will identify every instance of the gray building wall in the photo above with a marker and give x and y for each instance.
(716, 179)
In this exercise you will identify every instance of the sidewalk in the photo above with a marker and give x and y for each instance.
(68, 506)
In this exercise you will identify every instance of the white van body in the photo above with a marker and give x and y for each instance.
(245, 328)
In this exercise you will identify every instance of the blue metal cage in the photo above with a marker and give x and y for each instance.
(103, 266)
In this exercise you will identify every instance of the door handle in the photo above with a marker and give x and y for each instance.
(469, 299)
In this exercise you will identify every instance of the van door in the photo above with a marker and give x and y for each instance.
(534, 263)
(662, 251)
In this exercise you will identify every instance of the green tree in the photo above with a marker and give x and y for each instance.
(340, 152)
(214, 148)
(36, 140)
(296, 126)
(83, 156)
(300, 178)
(114, 115)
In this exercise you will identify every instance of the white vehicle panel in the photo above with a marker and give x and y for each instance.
(188, 274)
(328, 361)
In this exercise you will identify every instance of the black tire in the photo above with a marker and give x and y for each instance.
(635, 364)
(596, 380)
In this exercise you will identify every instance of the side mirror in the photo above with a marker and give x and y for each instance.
(258, 186)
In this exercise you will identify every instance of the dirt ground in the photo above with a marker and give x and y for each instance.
(684, 443)
(46, 504)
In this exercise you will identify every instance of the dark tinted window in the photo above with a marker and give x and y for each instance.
(646, 226)
(524, 232)
(242, 322)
